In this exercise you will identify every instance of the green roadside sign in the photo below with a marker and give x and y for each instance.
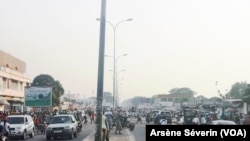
(38, 97)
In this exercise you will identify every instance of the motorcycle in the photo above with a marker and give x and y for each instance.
(43, 127)
(79, 127)
(85, 119)
(148, 120)
(131, 126)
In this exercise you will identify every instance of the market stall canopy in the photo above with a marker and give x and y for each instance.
(4, 102)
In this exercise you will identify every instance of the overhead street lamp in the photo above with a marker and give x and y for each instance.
(118, 86)
(116, 79)
(114, 56)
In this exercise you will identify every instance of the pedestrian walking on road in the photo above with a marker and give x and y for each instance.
(105, 128)
(93, 117)
(118, 123)
(109, 117)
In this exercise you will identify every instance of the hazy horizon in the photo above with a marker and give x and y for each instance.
(170, 44)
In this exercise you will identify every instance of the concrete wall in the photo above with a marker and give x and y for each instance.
(12, 62)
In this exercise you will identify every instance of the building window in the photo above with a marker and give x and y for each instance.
(170, 99)
(14, 85)
(1, 83)
(21, 86)
(8, 83)
(163, 99)
(4, 83)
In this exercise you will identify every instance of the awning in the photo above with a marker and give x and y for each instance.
(231, 110)
(4, 102)
(236, 105)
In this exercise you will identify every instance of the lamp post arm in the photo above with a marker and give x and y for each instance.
(119, 57)
(115, 60)
(119, 23)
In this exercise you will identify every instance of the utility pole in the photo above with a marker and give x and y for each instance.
(69, 98)
(100, 72)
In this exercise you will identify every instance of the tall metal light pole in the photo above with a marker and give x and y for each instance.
(100, 80)
(117, 85)
(114, 79)
(114, 67)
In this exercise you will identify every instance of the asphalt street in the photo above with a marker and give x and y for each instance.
(87, 129)
(139, 133)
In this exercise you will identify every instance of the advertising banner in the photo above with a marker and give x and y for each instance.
(38, 96)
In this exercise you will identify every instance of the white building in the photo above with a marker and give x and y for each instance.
(13, 80)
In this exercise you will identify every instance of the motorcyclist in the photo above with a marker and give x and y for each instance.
(157, 119)
(139, 120)
(148, 118)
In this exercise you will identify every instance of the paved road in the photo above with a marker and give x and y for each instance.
(139, 132)
(87, 129)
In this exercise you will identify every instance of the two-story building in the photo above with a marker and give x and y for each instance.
(13, 80)
(168, 100)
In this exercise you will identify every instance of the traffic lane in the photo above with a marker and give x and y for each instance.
(86, 130)
(139, 133)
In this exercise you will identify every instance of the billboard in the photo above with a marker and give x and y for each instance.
(38, 96)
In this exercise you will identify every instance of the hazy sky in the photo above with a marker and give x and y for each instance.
(170, 43)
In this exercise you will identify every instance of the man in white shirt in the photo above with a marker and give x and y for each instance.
(196, 120)
(105, 128)
(203, 120)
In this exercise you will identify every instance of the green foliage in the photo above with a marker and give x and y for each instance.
(182, 92)
(201, 97)
(246, 97)
(182, 100)
(44, 80)
(215, 99)
(237, 90)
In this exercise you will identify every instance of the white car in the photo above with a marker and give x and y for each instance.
(64, 125)
(21, 126)
(222, 122)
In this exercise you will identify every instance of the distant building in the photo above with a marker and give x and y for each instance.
(91, 102)
(168, 99)
(13, 80)
(107, 99)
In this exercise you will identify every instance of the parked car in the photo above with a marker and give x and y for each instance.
(21, 126)
(64, 125)
(222, 122)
